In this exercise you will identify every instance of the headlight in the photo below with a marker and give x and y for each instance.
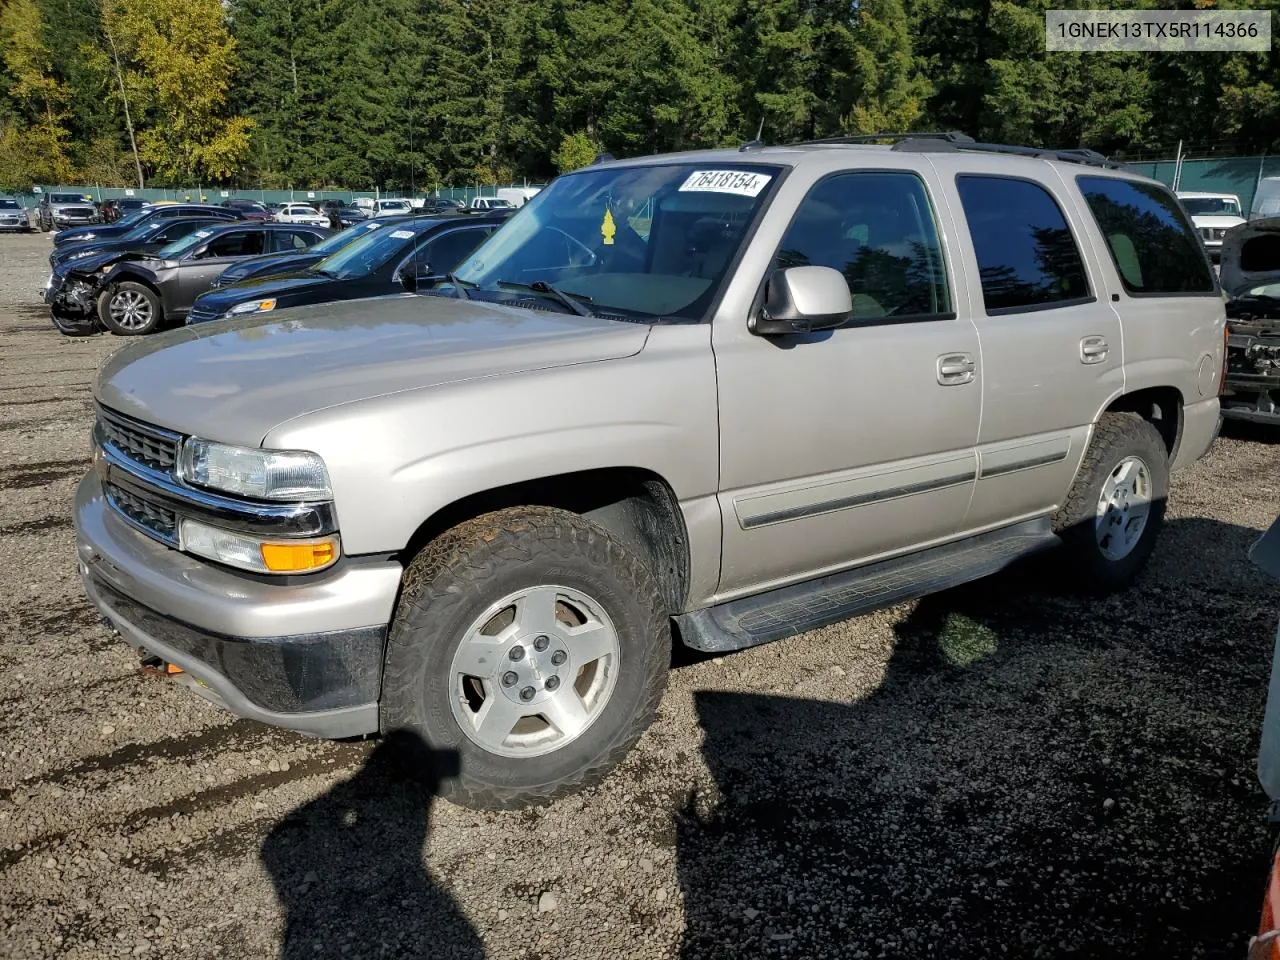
(253, 306)
(260, 474)
(261, 556)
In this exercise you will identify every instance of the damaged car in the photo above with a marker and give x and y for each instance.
(134, 293)
(1251, 278)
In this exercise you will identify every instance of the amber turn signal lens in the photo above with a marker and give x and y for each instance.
(299, 557)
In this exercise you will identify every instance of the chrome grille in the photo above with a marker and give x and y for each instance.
(151, 518)
(150, 446)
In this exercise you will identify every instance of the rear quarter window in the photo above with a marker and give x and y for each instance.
(1154, 248)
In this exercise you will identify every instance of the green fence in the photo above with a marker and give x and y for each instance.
(218, 194)
(1238, 175)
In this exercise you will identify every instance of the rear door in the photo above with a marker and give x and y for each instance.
(1050, 342)
(1166, 295)
(197, 274)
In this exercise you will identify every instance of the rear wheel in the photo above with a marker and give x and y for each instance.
(533, 644)
(129, 309)
(1116, 505)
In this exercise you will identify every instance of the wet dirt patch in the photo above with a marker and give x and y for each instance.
(28, 527)
(39, 474)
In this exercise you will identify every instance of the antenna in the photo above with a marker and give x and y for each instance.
(760, 129)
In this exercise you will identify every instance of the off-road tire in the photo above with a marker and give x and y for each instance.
(44, 227)
(454, 579)
(1116, 436)
(104, 309)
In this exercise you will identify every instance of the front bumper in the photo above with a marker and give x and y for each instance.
(305, 655)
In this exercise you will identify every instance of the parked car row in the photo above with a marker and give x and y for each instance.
(159, 271)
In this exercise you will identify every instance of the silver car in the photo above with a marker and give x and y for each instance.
(725, 396)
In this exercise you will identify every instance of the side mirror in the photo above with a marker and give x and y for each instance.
(802, 300)
(200, 251)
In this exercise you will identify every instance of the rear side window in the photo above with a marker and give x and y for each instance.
(1027, 258)
(877, 229)
(1154, 248)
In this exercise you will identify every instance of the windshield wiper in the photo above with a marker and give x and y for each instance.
(460, 285)
(574, 301)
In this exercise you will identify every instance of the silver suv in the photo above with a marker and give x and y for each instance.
(59, 211)
(728, 395)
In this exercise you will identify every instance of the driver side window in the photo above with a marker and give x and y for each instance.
(242, 244)
(878, 230)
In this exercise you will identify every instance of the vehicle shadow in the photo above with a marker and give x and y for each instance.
(349, 871)
(1253, 432)
(1036, 775)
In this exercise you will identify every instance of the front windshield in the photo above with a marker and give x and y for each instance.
(9, 205)
(339, 240)
(650, 241)
(1211, 206)
(69, 198)
(370, 252)
(144, 231)
(172, 251)
(131, 218)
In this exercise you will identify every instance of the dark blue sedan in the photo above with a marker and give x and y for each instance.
(391, 256)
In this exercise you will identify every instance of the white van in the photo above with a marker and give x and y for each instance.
(517, 196)
(1266, 201)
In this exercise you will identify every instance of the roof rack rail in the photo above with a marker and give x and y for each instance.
(935, 145)
(949, 136)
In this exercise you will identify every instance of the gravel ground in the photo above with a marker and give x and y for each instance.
(997, 770)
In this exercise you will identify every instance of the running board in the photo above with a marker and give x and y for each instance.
(786, 611)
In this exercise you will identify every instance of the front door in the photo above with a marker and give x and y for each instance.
(1051, 344)
(844, 446)
(197, 274)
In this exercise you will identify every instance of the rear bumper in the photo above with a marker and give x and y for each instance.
(305, 655)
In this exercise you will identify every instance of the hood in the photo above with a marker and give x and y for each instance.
(1217, 220)
(112, 257)
(250, 266)
(1251, 257)
(95, 261)
(113, 246)
(99, 231)
(236, 380)
(224, 298)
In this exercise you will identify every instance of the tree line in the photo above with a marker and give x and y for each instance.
(405, 94)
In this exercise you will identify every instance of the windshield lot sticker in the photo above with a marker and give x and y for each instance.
(402, 234)
(727, 181)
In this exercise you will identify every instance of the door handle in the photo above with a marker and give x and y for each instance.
(955, 368)
(1093, 349)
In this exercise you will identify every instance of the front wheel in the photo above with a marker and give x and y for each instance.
(1116, 505)
(532, 643)
(129, 309)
